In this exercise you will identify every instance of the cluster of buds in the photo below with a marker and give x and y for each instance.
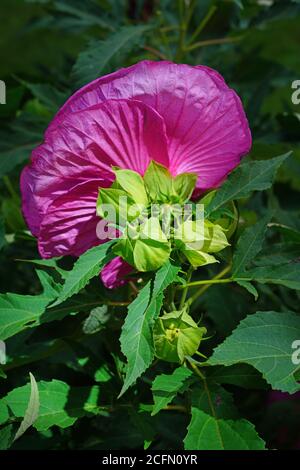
(153, 220)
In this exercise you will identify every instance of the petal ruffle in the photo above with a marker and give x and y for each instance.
(114, 273)
(206, 125)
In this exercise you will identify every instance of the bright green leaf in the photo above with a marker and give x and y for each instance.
(208, 433)
(264, 340)
(86, 267)
(251, 176)
(60, 404)
(136, 337)
(166, 386)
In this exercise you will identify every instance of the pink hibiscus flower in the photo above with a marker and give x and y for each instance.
(184, 117)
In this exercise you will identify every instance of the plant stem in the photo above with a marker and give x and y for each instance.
(211, 42)
(185, 289)
(216, 280)
(207, 281)
(209, 398)
(156, 52)
(10, 188)
(184, 22)
(203, 23)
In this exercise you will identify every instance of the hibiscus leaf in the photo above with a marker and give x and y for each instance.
(287, 275)
(251, 176)
(249, 245)
(86, 267)
(136, 337)
(60, 404)
(18, 312)
(6, 437)
(205, 432)
(96, 59)
(264, 340)
(17, 142)
(165, 387)
(32, 410)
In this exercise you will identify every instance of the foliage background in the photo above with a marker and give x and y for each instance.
(47, 50)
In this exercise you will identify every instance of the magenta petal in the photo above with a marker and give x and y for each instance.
(84, 146)
(116, 133)
(113, 274)
(69, 225)
(207, 129)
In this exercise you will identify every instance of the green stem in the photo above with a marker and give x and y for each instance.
(10, 188)
(206, 284)
(208, 281)
(211, 42)
(203, 23)
(185, 288)
(156, 52)
(184, 22)
(209, 398)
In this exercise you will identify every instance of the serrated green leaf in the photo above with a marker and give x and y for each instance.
(60, 404)
(136, 337)
(18, 312)
(86, 267)
(264, 340)
(32, 410)
(251, 176)
(166, 386)
(249, 287)
(96, 320)
(6, 437)
(96, 59)
(205, 432)
(249, 245)
(25, 134)
(4, 414)
(287, 275)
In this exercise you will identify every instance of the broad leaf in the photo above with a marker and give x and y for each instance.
(6, 437)
(251, 176)
(249, 245)
(18, 312)
(287, 275)
(32, 410)
(205, 432)
(242, 375)
(214, 400)
(264, 340)
(136, 337)
(60, 404)
(165, 387)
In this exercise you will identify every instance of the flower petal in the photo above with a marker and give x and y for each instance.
(207, 128)
(70, 223)
(114, 273)
(84, 146)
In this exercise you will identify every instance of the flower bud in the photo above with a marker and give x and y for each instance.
(176, 336)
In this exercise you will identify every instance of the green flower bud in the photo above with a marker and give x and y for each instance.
(163, 187)
(176, 336)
